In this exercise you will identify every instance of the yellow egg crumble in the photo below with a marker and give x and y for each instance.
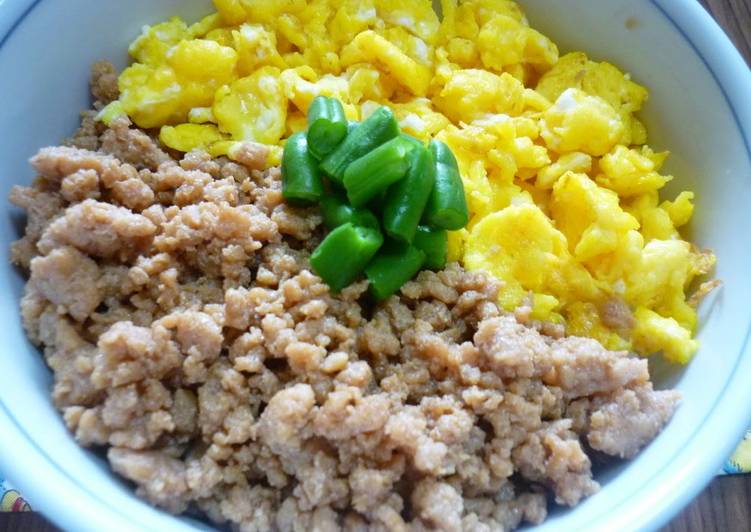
(562, 189)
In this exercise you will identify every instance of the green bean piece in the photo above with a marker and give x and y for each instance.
(301, 179)
(379, 127)
(406, 199)
(374, 172)
(417, 142)
(327, 126)
(352, 125)
(365, 218)
(391, 268)
(447, 206)
(337, 211)
(343, 254)
(435, 244)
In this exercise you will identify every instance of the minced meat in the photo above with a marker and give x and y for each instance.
(175, 304)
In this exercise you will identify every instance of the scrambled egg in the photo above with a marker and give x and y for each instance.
(563, 191)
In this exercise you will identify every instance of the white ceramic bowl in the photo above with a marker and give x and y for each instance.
(700, 109)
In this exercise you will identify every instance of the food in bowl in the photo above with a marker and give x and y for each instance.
(538, 140)
(172, 291)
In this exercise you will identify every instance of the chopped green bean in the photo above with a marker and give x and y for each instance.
(377, 176)
(407, 198)
(376, 171)
(365, 218)
(337, 211)
(379, 127)
(417, 142)
(327, 126)
(343, 254)
(434, 243)
(447, 206)
(391, 268)
(301, 179)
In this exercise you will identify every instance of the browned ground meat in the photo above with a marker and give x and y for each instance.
(104, 86)
(175, 304)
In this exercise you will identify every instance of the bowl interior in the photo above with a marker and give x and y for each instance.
(49, 53)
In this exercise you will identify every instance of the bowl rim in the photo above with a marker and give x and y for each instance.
(688, 470)
(692, 467)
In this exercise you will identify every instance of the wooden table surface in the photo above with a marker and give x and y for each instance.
(725, 506)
